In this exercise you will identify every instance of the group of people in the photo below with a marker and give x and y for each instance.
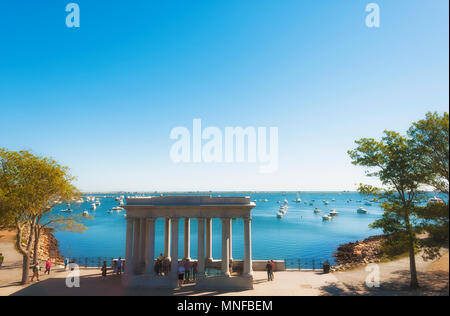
(187, 272)
(37, 269)
(269, 268)
(162, 265)
(117, 267)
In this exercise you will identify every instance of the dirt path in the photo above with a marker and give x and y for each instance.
(394, 277)
(11, 270)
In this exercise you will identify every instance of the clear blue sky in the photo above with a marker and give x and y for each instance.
(103, 98)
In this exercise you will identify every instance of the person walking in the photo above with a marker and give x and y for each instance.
(194, 271)
(119, 266)
(36, 271)
(187, 271)
(268, 269)
(272, 265)
(104, 270)
(180, 274)
(1, 259)
(48, 266)
(159, 265)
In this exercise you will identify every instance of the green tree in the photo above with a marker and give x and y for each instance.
(29, 186)
(394, 161)
(431, 136)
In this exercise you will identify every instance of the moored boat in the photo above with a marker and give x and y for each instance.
(361, 210)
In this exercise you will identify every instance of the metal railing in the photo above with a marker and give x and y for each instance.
(307, 264)
(92, 262)
(290, 263)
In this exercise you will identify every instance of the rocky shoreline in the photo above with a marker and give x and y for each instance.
(359, 253)
(48, 247)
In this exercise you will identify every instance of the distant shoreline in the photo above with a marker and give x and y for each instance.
(209, 192)
(223, 192)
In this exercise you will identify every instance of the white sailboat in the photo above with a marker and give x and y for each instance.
(361, 210)
(333, 213)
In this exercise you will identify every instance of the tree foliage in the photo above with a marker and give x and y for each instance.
(30, 186)
(404, 164)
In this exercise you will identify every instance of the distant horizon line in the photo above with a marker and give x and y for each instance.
(226, 191)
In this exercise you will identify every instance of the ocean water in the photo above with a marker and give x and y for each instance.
(300, 234)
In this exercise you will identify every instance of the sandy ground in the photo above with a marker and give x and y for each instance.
(393, 277)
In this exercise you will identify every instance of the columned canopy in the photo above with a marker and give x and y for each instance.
(140, 239)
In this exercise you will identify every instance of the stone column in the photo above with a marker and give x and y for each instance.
(225, 246)
(231, 239)
(248, 265)
(187, 238)
(150, 246)
(174, 251)
(129, 247)
(136, 242)
(167, 233)
(143, 246)
(201, 247)
(209, 239)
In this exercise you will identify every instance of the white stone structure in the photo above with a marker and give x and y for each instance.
(140, 239)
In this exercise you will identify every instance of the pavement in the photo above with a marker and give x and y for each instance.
(393, 279)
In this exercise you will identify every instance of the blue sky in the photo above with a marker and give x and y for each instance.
(104, 97)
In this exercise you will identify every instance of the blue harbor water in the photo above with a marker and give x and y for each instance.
(300, 234)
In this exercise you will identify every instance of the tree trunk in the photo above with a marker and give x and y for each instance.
(37, 233)
(25, 269)
(25, 252)
(414, 284)
(412, 264)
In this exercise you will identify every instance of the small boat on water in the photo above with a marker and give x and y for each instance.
(368, 203)
(117, 208)
(333, 200)
(85, 213)
(283, 209)
(326, 202)
(280, 214)
(333, 213)
(361, 210)
(67, 210)
(298, 199)
(317, 211)
(93, 206)
(326, 218)
(435, 200)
